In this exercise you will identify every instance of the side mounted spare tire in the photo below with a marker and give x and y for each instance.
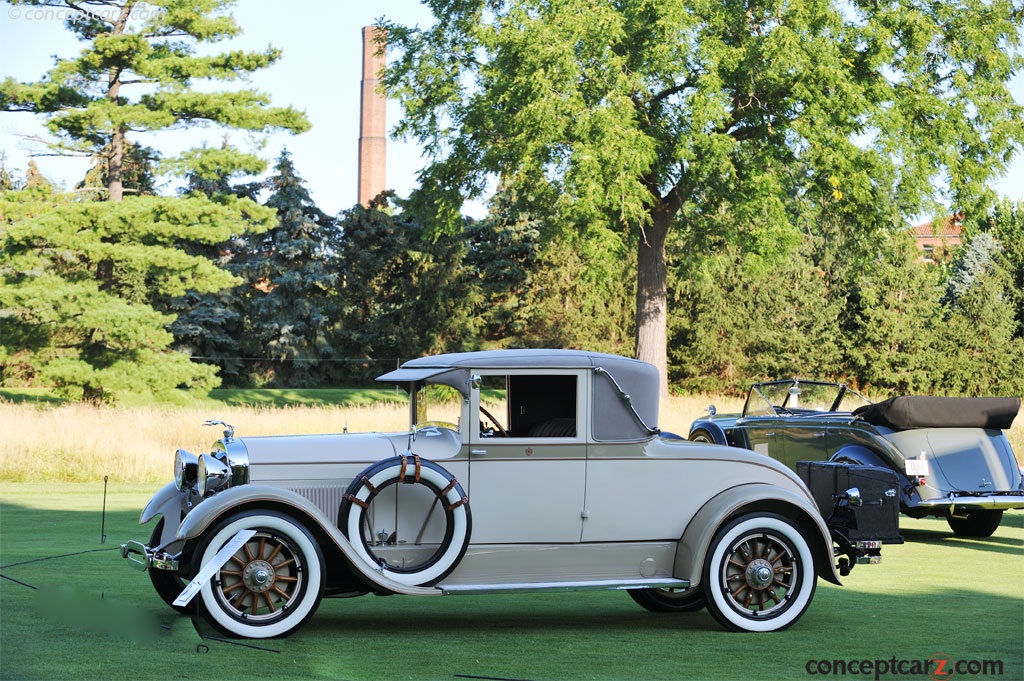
(356, 513)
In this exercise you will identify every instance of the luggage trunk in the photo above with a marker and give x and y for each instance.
(876, 519)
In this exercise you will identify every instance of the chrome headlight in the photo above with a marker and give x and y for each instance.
(212, 475)
(185, 465)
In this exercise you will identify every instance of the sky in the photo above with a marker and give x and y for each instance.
(319, 73)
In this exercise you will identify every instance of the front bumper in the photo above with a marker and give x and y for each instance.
(141, 557)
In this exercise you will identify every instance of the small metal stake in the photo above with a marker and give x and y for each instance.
(103, 518)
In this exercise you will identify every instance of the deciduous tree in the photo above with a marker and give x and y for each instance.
(700, 115)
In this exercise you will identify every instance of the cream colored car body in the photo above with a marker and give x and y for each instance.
(608, 503)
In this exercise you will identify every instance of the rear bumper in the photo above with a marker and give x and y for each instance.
(967, 502)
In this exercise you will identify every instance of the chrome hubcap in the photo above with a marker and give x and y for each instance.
(760, 574)
(258, 576)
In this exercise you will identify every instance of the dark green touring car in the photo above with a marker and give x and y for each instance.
(950, 453)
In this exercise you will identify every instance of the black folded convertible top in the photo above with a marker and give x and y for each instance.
(914, 411)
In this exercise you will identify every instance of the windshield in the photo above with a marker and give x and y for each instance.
(801, 397)
(437, 405)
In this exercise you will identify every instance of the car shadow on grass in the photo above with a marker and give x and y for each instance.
(935, 532)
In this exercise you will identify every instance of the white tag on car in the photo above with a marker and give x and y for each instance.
(917, 466)
(210, 568)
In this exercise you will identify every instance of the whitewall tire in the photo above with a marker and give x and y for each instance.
(759, 574)
(271, 585)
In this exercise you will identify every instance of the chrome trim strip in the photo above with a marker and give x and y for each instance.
(665, 582)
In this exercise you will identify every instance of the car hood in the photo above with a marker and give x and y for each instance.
(433, 443)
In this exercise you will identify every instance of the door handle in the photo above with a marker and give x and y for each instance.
(478, 452)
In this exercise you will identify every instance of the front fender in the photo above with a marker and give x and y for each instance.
(714, 430)
(204, 515)
(170, 503)
(752, 497)
(859, 454)
(167, 498)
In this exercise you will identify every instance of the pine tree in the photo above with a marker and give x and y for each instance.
(292, 289)
(86, 284)
(405, 293)
(210, 327)
(894, 319)
(981, 355)
(99, 338)
(85, 100)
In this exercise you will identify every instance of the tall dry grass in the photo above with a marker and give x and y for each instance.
(80, 443)
(77, 443)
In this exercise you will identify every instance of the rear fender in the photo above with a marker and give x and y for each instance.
(751, 498)
(262, 497)
(859, 454)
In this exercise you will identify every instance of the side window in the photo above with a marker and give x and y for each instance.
(529, 406)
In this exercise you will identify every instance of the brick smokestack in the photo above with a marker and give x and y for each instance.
(372, 120)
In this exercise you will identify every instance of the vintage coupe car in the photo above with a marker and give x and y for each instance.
(950, 453)
(524, 470)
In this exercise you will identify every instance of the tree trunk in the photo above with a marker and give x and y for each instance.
(115, 160)
(115, 163)
(652, 293)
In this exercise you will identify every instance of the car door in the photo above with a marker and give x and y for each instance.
(761, 434)
(804, 438)
(528, 457)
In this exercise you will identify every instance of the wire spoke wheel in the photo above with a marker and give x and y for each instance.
(701, 435)
(689, 599)
(407, 517)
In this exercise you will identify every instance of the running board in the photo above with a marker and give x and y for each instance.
(515, 587)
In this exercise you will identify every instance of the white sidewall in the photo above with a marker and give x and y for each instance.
(805, 588)
(460, 527)
(313, 577)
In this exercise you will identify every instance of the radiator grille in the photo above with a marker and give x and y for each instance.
(325, 497)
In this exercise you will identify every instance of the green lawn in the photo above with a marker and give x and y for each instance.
(71, 609)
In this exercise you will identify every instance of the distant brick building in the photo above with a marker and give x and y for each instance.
(937, 241)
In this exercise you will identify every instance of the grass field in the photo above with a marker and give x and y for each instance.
(71, 609)
(45, 442)
(52, 442)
